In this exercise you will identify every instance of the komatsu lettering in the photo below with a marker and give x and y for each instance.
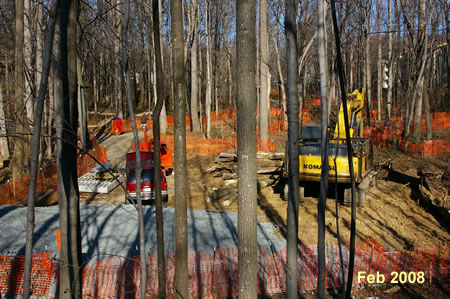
(316, 166)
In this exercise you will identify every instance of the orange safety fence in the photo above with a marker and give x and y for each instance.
(439, 120)
(12, 271)
(213, 146)
(226, 115)
(215, 274)
(277, 126)
(17, 190)
(392, 135)
(427, 148)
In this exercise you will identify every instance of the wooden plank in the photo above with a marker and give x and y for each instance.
(269, 163)
(269, 170)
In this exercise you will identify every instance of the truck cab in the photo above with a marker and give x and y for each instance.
(147, 179)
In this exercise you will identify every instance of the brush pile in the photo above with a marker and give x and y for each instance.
(269, 169)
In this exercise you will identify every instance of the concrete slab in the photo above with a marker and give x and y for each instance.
(87, 183)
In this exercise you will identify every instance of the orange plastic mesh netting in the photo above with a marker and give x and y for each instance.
(17, 190)
(12, 269)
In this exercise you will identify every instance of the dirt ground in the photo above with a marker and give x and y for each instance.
(391, 214)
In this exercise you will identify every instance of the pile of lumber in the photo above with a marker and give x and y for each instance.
(269, 169)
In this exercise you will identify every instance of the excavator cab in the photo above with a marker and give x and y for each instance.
(310, 162)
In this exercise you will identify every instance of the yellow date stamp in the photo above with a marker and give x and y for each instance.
(395, 277)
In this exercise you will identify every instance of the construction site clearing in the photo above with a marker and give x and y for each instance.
(406, 204)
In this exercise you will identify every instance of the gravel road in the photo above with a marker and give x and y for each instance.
(112, 229)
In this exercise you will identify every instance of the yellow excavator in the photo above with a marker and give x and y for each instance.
(310, 153)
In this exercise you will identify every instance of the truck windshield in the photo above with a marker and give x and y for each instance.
(146, 176)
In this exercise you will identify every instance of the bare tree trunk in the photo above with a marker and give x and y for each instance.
(4, 149)
(230, 82)
(350, 75)
(65, 76)
(426, 104)
(50, 109)
(263, 74)
(420, 61)
(35, 151)
(20, 141)
(321, 205)
(379, 60)
(390, 63)
(368, 73)
(163, 116)
(95, 87)
(117, 76)
(293, 133)
(246, 140)
(153, 74)
(39, 42)
(28, 59)
(142, 251)
(208, 95)
(280, 71)
(194, 70)
(200, 67)
(156, 135)
(82, 106)
(331, 96)
(181, 238)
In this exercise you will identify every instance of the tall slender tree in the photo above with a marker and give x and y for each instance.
(35, 150)
(181, 243)
(28, 61)
(20, 142)
(208, 87)
(379, 61)
(156, 139)
(264, 75)
(321, 204)
(390, 63)
(65, 81)
(117, 19)
(4, 148)
(163, 116)
(421, 60)
(194, 69)
(293, 133)
(246, 142)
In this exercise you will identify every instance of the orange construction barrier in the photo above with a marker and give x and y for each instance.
(14, 191)
(58, 239)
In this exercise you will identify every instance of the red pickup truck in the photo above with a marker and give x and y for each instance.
(147, 178)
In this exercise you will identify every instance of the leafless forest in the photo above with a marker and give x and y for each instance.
(68, 65)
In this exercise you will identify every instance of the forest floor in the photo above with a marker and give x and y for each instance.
(392, 215)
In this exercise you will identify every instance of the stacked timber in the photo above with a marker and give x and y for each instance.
(269, 169)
